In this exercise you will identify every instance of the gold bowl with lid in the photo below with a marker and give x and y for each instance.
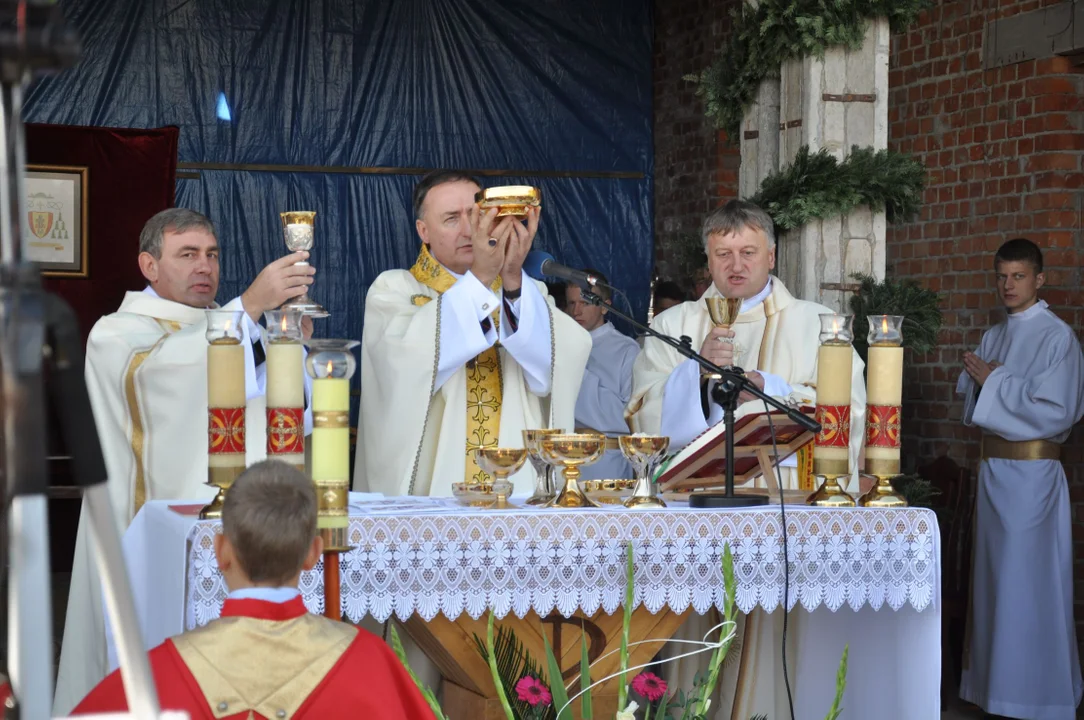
(510, 200)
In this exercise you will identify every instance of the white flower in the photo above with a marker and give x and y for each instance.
(628, 713)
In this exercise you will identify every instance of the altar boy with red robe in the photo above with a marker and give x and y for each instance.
(267, 655)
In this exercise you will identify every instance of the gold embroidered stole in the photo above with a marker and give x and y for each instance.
(484, 383)
(769, 311)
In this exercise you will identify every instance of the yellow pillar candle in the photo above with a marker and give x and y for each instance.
(331, 364)
(226, 400)
(286, 402)
(884, 396)
(831, 450)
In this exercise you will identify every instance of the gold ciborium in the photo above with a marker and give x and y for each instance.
(510, 200)
(544, 491)
(500, 463)
(643, 451)
(571, 451)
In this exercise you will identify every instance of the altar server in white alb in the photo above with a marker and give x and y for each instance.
(607, 381)
(461, 351)
(146, 373)
(775, 339)
(1024, 387)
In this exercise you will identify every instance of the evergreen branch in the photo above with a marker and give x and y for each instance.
(513, 663)
(817, 186)
(501, 694)
(764, 37)
(920, 308)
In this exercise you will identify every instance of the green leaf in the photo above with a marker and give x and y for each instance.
(630, 595)
(557, 688)
(586, 711)
(841, 685)
(430, 698)
(513, 663)
(493, 670)
(715, 667)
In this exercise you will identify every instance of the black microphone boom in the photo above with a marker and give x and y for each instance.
(540, 265)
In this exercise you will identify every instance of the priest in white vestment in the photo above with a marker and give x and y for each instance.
(461, 351)
(1024, 387)
(775, 340)
(607, 380)
(146, 374)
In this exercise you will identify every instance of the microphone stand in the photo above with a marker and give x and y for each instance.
(725, 393)
(37, 332)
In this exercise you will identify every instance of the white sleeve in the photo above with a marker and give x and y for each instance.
(774, 385)
(464, 307)
(682, 413)
(530, 344)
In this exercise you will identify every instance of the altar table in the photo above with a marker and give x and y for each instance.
(867, 577)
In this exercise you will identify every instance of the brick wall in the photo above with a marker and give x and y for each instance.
(695, 169)
(1005, 153)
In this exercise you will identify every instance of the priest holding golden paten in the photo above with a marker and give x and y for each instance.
(462, 351)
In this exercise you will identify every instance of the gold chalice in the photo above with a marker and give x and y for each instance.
(298, 229)
(513, 200)
(500, 463)
(723, 312)
(544, 491)
(571, 451)
(643, 451)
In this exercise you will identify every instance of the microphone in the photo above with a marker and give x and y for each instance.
(539, 264)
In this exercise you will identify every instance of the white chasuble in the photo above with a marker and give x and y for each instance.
(426, 334)
(146, 373)
(778, 335)
(1021, 659)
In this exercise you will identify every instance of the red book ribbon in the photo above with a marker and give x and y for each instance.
(883, 426)
(225, 430)
(285, 431)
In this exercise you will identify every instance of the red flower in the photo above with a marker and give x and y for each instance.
(533, 692)
(649, 686)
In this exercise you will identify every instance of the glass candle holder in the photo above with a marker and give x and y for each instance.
(284, 325)
(836, 329)
(224, 327)
(885, 330)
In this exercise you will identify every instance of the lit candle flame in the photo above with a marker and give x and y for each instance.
(835, 326)
(884, 326)
(283, 324)
(329, 368)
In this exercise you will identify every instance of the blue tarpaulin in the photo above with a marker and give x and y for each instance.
(345, 102)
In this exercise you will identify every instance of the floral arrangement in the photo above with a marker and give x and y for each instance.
(526, 695)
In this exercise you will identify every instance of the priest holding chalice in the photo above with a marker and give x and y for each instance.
(462, 351)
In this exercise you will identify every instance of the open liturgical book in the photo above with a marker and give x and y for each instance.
(702, 463)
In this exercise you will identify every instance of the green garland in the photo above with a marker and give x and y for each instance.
(764, 37)
(816, 185)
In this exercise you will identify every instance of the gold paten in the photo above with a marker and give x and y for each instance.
(510, 200)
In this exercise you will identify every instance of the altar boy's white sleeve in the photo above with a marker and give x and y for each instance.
(966, 385)
(531, 343)
(1038, 407)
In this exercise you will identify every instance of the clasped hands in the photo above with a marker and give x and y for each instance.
(718, 348)
(978, 368)
(500, 247)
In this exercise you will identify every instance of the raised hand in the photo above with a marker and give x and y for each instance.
(488, 240)
(519, 244)
(280, 281)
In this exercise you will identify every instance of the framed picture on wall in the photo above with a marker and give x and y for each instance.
(55, 223)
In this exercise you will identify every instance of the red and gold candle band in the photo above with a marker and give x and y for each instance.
(835, 422)
(226, 431)
(883, 426)
(285, 431)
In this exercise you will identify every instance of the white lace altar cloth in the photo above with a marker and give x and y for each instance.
(424, 556)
